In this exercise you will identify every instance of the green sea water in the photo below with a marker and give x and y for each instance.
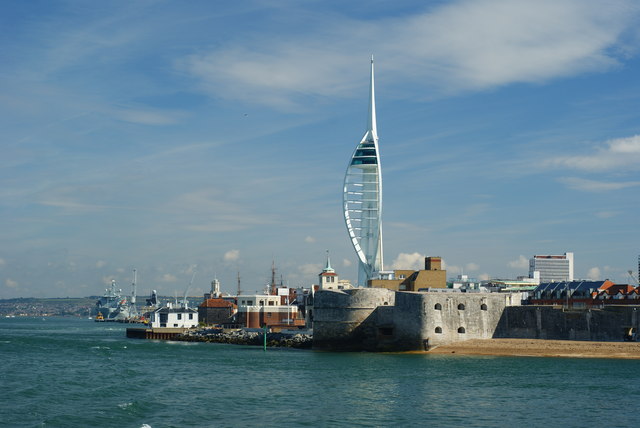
(69, 372)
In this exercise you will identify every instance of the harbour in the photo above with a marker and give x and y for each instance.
(122, 382)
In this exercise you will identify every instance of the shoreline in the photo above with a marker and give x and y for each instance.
(541, 348)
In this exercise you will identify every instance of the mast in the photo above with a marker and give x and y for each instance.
(133, 287)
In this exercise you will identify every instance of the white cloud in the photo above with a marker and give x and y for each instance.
(614, 154)
(167, 277)
(2, 262)
(101, 264)
(596, 186)
(484, 277)
(452, 270)
(607, 214)
(463, 45)
(346, 262)
(310, 239)
(594, 273)
(310, 269)
(231, 255)
(470, 267)
(413, 261)
(11, 283)
(521, 263)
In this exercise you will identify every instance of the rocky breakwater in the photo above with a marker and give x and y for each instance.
(245, 337)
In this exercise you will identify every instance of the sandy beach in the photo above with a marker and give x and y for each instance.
(542, 348)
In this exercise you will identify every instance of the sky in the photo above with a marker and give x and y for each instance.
(177, 137)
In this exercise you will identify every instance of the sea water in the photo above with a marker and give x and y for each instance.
(70, 372)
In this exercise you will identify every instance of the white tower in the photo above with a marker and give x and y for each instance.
(215, 288)
(362, 198)
(328, 278)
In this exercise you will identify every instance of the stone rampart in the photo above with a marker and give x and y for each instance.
(611, 323)
(384, 320)
(375, 319)
(348, 320)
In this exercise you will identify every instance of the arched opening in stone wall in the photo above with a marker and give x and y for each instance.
(483, 307)
(461, 307)
(438, 329)
(461, 330)
(438, 307)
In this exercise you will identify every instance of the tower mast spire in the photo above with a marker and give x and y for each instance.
(371, 126)
(362, 197)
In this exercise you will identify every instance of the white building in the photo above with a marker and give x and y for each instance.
(552, 268)
(170, 317)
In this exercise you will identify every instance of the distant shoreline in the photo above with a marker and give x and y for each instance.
(541, 348)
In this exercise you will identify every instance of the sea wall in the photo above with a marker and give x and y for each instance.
(350, 319)
(374, 319)
(610, 323)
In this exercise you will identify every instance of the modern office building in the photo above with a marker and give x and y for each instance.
(552, 268)
(362, 198)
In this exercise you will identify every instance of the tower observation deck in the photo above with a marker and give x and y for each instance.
(362, 198)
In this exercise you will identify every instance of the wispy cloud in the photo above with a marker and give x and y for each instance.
(596, 186)
(466, 45)
(619, 153)
(148, 117)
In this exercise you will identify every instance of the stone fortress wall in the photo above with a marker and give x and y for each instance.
(377, 319)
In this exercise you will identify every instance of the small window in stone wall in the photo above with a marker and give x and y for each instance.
(461, 307)
(438, 329)
(461, 330)
(438, 307)
(483, 307)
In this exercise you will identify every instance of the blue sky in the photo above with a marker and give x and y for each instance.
(214, 136)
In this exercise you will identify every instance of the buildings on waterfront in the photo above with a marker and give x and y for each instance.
(432, 276)
(362, 198)
(552, 268)
(174, 317)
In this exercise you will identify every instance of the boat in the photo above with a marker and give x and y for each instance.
(113, 306)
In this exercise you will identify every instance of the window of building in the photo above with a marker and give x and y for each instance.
(261, 302)
(268, 314)
(175, 325)
(249, 302)
(483, 307)
(461, 330)
(271, 303)
(190, 316)
(438, 329)
(179, 316)
(461, 307)
(438, 307)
